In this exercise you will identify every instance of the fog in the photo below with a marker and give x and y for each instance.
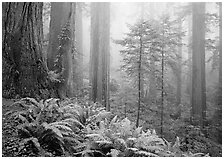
(123, 13)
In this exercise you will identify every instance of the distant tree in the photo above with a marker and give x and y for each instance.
(24, 70)
(100, 53)
(78, 56)
(61, 46)
(147, 41)
(198, 64)
(136, 55)
(168, 41)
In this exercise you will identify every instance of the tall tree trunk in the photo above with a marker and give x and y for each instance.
(78, 60)
(152, 82)
(220, 54)
(100, 52)
(179, 71)
(94, 51)
(162, 93)
(198, 64)
(22, 48)
(139, 81)
(189, 74)
(61, 45)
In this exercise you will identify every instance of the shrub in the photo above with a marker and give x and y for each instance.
(49, 126)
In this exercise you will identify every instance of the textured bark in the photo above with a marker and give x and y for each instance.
(198, 65)
(220, 54)
(62, 16)
(162, 92)
(94, 50)
(22, 49)
(100, 53)
(78, 60)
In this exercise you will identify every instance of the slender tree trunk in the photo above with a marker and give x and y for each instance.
(139, 81)
(22, 48)
(198, 65)
(60, 49)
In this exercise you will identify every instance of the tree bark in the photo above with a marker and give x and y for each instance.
(220, 54)
(179, 69)
(22, 48)
(189, 74)
(78, 60)
(139, 80)
(198, 65)
(61, 45)
(100, 52)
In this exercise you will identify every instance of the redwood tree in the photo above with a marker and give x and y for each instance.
(100, 53)
(78, 56)
(23, 68)
(198, 64)
(61, 46)
(220, 53)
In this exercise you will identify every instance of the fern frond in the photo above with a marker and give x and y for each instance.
(95, 136)
(61, 127)
(137, 132)
(31, 100)
(74, 121)
(54, 129)
(72, 140)
(153, 148)
(23, 132)
(102, 115)
(21, 103)
(113, 120)
(17, 114)
(114, 152)
(22, 118)
(34, 141)
(146, 154)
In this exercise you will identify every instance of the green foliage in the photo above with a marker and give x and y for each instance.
(114, 86)
(66, 128)
(121, 138)
(49, 125)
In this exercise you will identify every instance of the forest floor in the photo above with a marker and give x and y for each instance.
(9, 135)
(10, 139)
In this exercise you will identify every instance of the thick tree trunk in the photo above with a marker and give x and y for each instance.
(78, 60)
(100, 53)
(189, 74)
(179, 70)
(94, 51)
(22, 49)
(61, 45)
(198, 65)
(162, 93)
(220, 54)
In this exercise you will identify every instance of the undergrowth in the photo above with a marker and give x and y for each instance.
(72, 128)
